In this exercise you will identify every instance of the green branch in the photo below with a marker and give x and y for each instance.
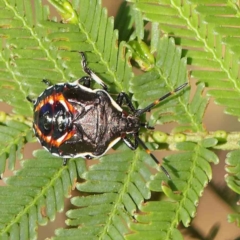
(224, 141)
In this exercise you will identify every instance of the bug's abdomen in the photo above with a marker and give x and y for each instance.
(92, 124)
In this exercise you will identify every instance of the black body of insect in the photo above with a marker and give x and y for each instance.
(72, 120)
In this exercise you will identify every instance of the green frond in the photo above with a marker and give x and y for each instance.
(155, 223)
(190, 116)
(233, 169)
(233, 179)
(116, 189)
(113, 195)
(36, 193)
(204, 31)
(13, 135)
(190, 172)
(124, 21)
(53, 57)
(18, 35)
(168, 73)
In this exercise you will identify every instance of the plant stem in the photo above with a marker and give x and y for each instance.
(226, 141)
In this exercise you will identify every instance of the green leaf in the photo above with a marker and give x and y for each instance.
(23, 69)
(37, 191)
(113, 200)
(233, 169)
(204, 35)
(119, 188)
(13, 135)
(234, 218)
(156, 219)
(190, 172)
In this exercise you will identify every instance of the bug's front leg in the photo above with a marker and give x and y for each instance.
(91, 74)
(47, 82)
(30, 100)
(86, 80)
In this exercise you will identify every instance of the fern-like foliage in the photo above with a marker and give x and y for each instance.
(169, 71)
(35, 193)
(113, 201)
(26, 67)
(233, 179)
(210, 34)
(35, 53)
(190, 171)
(13, 135)
(117, 189)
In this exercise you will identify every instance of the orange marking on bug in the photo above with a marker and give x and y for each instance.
(42, 136)
(50, 140)
(148, 151)
(57, 143)
(55, 97)
(43, 102)
(156, 102)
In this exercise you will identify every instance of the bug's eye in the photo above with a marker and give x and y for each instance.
(61, 120)
(45, 119)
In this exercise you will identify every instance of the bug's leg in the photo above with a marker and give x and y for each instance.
(86, 81)
(152, 156)
(123, 96)
(129, 143)
(30, 100)
(91, 74)
(150, 106)
(65, 161)
(145, 125)
(47, 82)
(88, 157)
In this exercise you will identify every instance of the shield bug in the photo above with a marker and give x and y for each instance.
(72, 120)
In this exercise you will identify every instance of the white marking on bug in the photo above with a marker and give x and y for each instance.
(51, 101)
(49, 138)
(84, 154)
(55, 154)
(50, 87)
(97, 90)
(46, 148)
(59, 140)
(64, 104)
(111, 99)
(97, 79)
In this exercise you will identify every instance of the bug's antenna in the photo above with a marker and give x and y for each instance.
(153, 157)
(150, 106)
(30, 100)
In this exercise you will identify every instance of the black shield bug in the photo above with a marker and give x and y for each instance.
(72, 120)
